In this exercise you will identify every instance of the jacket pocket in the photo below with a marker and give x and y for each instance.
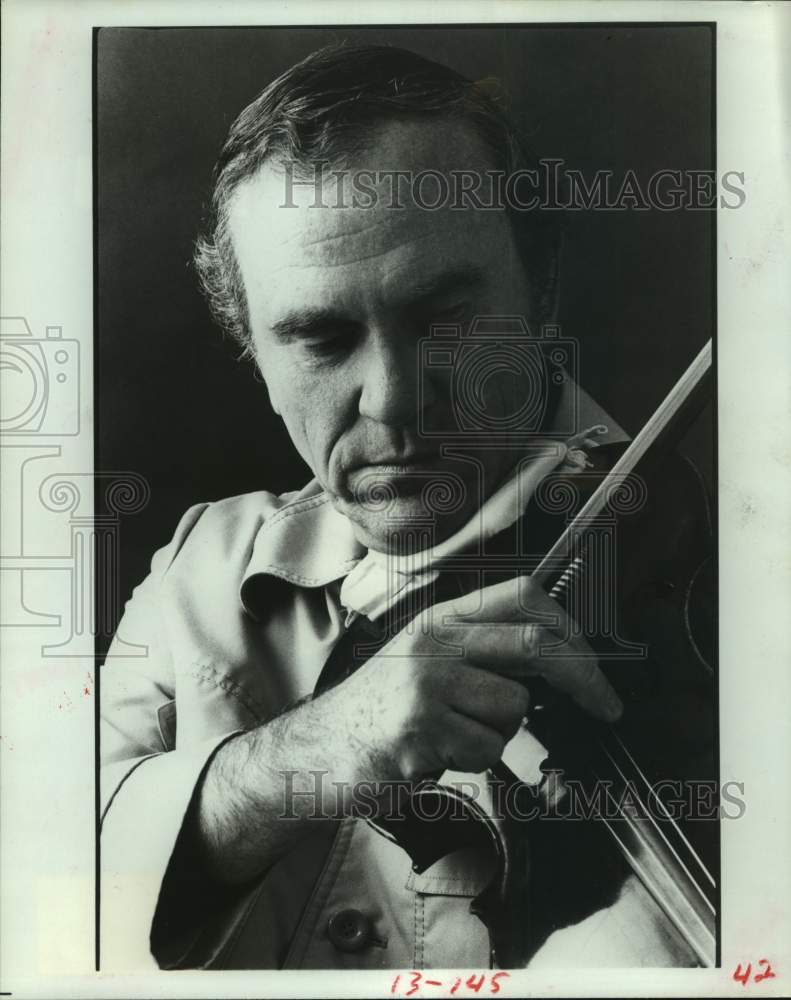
(445, 933)
(465, 872)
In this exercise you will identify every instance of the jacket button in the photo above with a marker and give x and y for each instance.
(349, 930)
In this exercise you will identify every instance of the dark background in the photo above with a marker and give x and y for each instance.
(174, 405)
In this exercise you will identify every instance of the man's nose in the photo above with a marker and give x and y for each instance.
(395, 389)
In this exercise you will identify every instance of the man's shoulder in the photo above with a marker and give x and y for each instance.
(253, 508)
(226, 529)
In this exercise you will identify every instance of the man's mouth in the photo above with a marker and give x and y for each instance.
(405, 474)
(417, 461)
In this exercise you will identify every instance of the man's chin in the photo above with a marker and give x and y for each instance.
(403, 522)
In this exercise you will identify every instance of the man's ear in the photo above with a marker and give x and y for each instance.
(258, 375)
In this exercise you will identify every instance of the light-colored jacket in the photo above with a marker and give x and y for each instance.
(235, 621)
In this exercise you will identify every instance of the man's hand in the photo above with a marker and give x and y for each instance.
(446, 692)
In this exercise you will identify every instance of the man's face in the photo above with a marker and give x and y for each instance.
(339, 300)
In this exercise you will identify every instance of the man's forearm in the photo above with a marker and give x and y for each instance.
(261, 792)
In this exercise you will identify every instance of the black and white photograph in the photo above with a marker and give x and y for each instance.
(468, 471)
(397, 606)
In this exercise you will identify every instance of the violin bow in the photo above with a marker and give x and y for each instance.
(664, 428)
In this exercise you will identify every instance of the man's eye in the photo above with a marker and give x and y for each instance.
(329, 344)
(449, 313)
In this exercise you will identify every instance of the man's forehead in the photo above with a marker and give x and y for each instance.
(322, 233)
(366, 208)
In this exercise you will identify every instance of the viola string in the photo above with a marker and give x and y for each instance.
(651, 885)
(661, 833)
(670, 819)
(661, 898)
(561, 589)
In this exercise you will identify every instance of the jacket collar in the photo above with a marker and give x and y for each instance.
(308, 543)
(305, 543)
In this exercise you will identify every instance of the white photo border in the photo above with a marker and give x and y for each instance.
(47, 863)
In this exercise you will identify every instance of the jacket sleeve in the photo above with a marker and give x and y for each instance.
(146, 785)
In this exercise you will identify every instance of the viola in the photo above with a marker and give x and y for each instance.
(550, 874)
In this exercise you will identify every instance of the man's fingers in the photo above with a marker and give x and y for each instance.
(467, 745)
(498, 702)
(517, 650)
(516, 599)
(513, 627)
(581, 678)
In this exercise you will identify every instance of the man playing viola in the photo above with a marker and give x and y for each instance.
(234, 833)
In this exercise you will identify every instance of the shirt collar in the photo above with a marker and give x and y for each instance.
(308, 543)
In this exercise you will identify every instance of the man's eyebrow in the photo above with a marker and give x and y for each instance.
(310, 322)
(465, 276)
(313, 322)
